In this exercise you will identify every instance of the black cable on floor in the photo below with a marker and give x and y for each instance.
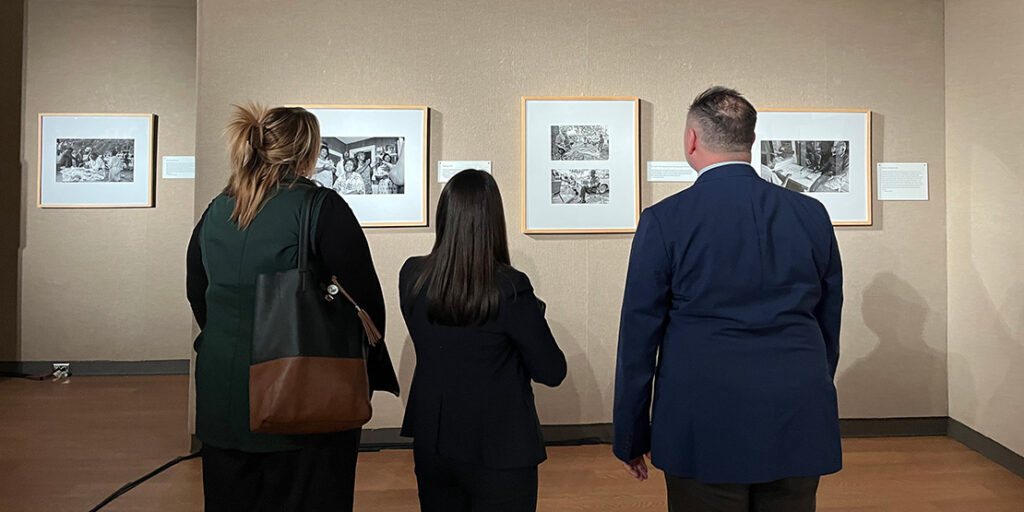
(131, 485)
(19, 375)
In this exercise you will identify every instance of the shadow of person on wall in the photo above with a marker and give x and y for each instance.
(1011, 346)
(903, 376)
(985, 401)
(564, 404)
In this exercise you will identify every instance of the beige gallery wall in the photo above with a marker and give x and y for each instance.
(985, 159)
(471, 61)
(108, 284)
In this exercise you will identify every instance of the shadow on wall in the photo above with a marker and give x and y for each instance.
(995, 340)
(986, 297)
(902, 364)
(1009, 342)
(563, 404)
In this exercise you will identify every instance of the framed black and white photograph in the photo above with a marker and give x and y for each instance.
(95, 160)
(375, 157)
(581, 164)
(361, 165)
(807, 165)
(825, 154)
(579, 186)
(579, 142)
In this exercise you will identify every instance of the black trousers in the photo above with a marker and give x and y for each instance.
(447, 485)
(786, 495)
(319, 477)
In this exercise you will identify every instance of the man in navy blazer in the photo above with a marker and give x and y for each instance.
(733, 300)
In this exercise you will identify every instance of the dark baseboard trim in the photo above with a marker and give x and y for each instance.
(601, 433)
(554, 435)
(376, 439)
(894, 427)
(988, 448)
(101, 368)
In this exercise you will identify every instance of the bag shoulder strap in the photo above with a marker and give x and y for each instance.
(307, 239)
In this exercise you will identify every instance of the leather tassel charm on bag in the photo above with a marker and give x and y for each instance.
(373, 335)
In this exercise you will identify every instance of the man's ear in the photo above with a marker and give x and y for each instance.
(690, 141)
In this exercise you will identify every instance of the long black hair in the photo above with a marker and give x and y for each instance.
(461, 272)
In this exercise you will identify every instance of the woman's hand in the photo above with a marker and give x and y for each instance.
(638, 467)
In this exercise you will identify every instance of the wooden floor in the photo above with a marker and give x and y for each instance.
(67, 445)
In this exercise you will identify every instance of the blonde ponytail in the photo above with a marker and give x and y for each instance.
(265, 146)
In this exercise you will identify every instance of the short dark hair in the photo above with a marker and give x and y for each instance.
(726, 119)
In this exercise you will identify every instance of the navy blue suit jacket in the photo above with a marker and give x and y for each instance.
(733, 300)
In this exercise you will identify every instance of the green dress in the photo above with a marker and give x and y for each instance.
(231, 260)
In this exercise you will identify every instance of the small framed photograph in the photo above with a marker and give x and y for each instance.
(825, 154)
(376, 158)
(96, 160)
(581, 165)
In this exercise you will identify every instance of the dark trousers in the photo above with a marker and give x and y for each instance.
(446, 485)
(786, 495)
(320, 476)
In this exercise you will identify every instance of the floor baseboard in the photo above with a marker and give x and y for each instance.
(988, 448)
(100, 368)
(894, 427)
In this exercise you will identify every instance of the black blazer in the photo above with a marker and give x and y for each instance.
(471, 398)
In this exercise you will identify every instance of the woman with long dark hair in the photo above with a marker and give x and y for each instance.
(252, 228)
(480, 338)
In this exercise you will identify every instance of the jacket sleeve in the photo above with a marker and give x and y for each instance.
(196, 280)
(829, 310)
(524, 316)
(645, 307)
(343, 248)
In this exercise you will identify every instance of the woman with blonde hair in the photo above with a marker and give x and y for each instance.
(252, 228)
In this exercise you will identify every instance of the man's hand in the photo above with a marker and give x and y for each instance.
(637, 467)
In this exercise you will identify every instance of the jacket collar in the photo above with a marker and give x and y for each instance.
(727, 171)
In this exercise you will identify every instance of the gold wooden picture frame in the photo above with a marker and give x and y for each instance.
(835, 125)
(369, 211)
(618, 149)
(71, 173)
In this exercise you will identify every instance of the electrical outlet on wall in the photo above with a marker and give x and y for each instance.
(61, 370)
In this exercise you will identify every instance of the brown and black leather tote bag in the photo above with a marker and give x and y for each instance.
(307, 374)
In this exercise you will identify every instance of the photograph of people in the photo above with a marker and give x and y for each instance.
(349, 181)
(807, 165)
(95, 162)
(579, 186)
(386, 178)
(323, 174)
(579, 142)
(115, 165)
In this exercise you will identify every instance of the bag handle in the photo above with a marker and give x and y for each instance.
(315, 197)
